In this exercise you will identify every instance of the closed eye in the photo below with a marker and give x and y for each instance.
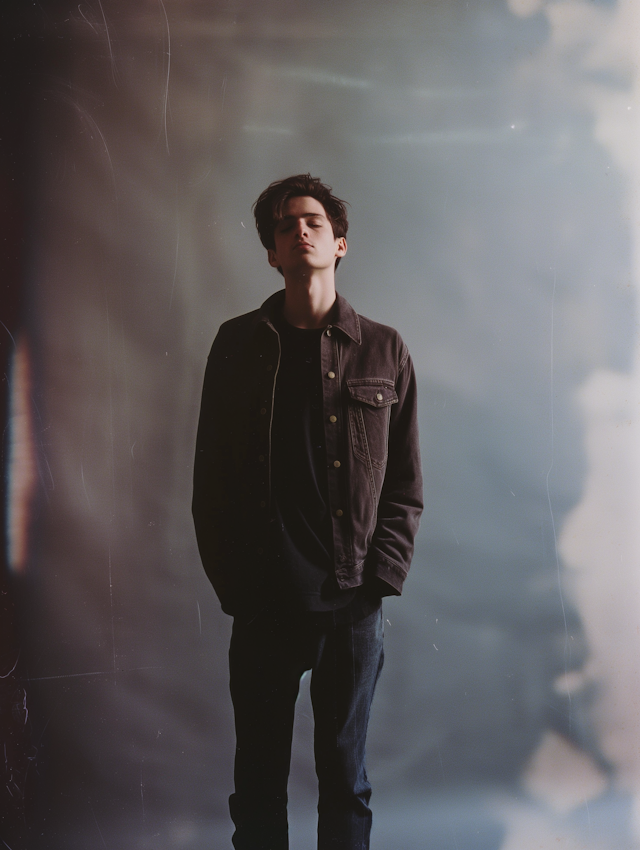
(286, 224)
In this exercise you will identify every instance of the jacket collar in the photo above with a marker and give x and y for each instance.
(343, 315)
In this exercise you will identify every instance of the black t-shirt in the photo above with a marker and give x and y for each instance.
(302, 537)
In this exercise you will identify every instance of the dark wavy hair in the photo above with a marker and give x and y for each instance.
(268, 208)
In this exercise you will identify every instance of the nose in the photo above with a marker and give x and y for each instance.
(302, 230)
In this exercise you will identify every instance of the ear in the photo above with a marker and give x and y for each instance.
(341, 246)
(273, 259)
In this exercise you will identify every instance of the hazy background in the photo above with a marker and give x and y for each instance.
(488, 151)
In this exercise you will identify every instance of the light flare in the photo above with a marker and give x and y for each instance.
(22, 465)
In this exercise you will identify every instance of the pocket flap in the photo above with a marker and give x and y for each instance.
(378, 392)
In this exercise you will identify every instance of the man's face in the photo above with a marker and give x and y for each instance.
(304, 239)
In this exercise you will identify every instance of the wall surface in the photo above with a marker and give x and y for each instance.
(488, 152)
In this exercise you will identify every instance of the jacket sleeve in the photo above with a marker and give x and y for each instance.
(401, 500)
(210, 513)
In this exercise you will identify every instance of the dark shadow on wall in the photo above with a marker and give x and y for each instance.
(26, 52)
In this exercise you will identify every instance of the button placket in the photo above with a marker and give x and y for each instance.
(332, 390)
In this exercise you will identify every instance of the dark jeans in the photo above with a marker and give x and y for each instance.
(267, 658)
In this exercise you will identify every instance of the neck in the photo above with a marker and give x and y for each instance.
(308, 300)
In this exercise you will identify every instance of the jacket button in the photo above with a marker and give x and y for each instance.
(269, 367)
(336, 463)
(331, 374)
(260, 550)
(339, 513)
(263, 410)
(379, 396)
(328, 331)
(333, 418)
(263, 504)
(261, 458)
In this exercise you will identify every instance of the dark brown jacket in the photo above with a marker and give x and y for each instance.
(373, 458)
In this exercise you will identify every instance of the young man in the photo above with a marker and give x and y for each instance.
(307, 498)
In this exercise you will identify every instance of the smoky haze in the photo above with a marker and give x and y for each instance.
(490, 227)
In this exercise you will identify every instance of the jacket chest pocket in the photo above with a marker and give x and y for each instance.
(370, 401)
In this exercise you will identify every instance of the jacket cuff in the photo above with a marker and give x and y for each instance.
(388, 571)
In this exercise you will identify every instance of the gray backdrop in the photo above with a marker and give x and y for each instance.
(482, 148)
